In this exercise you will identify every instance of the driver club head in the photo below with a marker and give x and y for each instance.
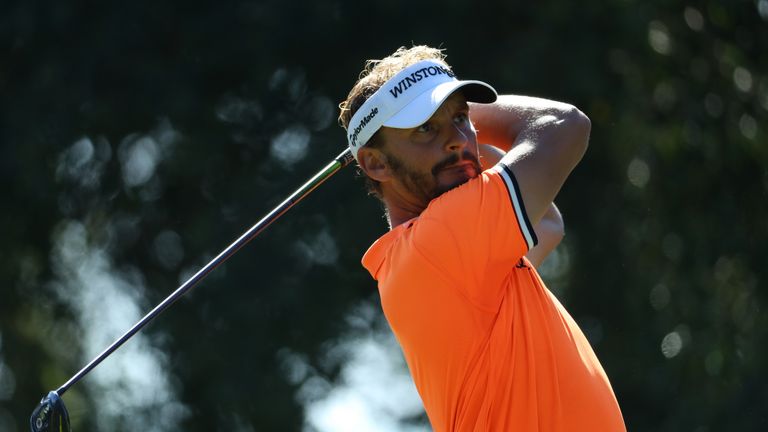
(51, 415)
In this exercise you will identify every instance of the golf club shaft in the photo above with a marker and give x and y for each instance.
(339, 162)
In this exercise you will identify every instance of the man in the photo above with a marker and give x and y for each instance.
(488, 346)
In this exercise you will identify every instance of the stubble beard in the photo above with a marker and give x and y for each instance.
(426, 185)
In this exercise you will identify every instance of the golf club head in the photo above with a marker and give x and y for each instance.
(51, 415)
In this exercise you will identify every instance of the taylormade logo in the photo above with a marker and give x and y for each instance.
(417, 76)
(363, 121)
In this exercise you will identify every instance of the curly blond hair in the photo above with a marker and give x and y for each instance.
(377, 72)
(373, 76)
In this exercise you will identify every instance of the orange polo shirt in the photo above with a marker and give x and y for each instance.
(487, 344)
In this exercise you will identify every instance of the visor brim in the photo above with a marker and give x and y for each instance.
(424, 105)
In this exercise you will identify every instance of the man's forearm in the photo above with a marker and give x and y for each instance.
(550, 231)
(502, 122)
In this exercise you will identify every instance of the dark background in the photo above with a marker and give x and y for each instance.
(140, 138)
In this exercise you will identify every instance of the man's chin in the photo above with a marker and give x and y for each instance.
(454, 182)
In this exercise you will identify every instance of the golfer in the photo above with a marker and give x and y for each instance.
(465, 176)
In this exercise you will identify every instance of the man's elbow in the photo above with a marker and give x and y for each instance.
(552, 224)
(559, 230)
(579, 127)
(579, 123)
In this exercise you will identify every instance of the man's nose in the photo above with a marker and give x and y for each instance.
(457, 139)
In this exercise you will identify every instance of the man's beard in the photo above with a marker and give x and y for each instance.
(426, 185)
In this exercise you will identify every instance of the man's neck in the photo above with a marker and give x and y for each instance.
(398, 215)
(401, 205)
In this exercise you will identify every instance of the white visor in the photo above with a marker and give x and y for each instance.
(409, 99)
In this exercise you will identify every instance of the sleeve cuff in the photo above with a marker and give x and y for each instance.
(513, 189)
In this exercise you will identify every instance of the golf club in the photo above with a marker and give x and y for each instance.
(52, 415)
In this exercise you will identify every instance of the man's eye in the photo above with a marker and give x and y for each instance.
(424, 128)
(461, 119)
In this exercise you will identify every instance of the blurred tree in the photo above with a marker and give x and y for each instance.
(163, 130)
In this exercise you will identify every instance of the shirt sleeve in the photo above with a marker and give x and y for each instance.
(476, 233)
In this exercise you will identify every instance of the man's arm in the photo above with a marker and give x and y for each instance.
(544, 141)
(550, 230)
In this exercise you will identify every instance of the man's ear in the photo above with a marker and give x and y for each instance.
(374, 164)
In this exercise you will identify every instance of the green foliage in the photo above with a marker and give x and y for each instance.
(150, 134)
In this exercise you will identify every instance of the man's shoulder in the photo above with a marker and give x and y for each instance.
(466, 197)
(376, 254)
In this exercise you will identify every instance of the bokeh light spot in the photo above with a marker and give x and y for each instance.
(748, 126)
(659, 296)
(290, 146)
(658, 38)
(693, 18)
(742, 79)
(762, 9)
(138, 159)
(638, 173)
(671, 345)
